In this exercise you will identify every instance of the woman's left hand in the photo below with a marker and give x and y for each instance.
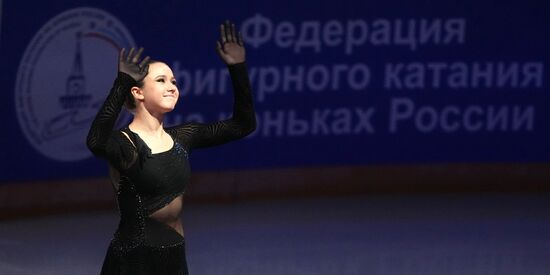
(230, 47)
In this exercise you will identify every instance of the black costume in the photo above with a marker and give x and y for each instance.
(146, 184)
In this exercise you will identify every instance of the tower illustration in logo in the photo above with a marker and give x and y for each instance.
(64, 77)
(76, 96)
(74, 100)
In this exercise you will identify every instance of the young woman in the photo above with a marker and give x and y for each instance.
(149, 163)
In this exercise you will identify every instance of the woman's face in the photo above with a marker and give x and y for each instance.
(160, 93)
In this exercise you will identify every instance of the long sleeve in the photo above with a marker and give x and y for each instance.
(100, 134)
(242, 122)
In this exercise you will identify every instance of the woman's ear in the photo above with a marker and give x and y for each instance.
(137, 93)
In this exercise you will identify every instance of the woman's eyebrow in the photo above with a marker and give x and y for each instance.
(161, 75)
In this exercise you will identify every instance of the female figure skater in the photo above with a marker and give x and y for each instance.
(149, 163)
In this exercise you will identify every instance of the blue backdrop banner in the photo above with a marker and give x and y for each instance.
(347, 83)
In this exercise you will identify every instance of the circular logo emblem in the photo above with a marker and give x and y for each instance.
(64, 76)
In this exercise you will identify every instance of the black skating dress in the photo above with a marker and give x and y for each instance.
(149, 186)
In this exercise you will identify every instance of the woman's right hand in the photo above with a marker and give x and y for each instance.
(131, 65)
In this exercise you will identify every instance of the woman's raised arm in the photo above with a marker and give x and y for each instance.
(130, 70)
(231, 49)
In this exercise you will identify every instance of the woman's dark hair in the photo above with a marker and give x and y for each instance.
(130, 102)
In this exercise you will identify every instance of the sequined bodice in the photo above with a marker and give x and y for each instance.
(161, 177)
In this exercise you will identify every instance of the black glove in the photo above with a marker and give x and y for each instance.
(130, 64)
(230, 46)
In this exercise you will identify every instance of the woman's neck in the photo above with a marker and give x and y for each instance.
(147, 123)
